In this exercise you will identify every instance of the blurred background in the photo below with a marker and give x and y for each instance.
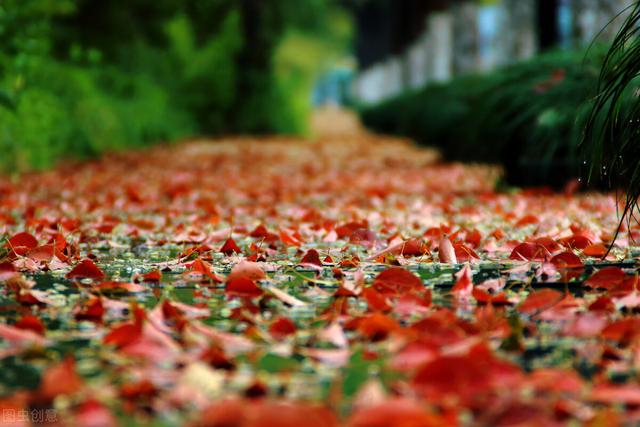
(498, 81)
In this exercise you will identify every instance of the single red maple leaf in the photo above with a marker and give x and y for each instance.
(31, 323)
(86, 269)
(243, 288)
(396, 280)
(282, 327)
(567, 260)
(606, 278)
(59, 379)
(21, 243)
(529, 251)
(230, 247)
(311, 257)
(540, 300)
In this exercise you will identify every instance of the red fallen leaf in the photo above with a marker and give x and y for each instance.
(60, 379)
(264, 413)
(247, 269)
(377, 326)
(31, 297)
(550, 244)
(173, 315)
(93, 413)
(567, 260)
(412, 247)
(483, 297)
(409, 304)
(31, 323)
(344, 293)
(516, 413)
(123, 334)
(577, 241)
(311, 257)
(230, 247)
(528, 251)
(282, 327)
(21, 243)
(603, 304)
(348, 229)
(464, 285)
(153, 276)
(350, 262)
(375, 300)
(434, 233)
(261, 232)
(623, 331)
(70, 224)
(527, 220)
(92, 311)
(540, 300)
(199, 250)
(86, 269)
(128, 332)
(400, 412)
(15, 404)
(243, 288)
(498, 234)
(606, 278)
(12, 334)
(337, 273)
(628, 394)
(217, 359)
(446, 251)
(596, 250)
(465, 376)
(556, 380)
(7, 271)
(42, 253)
(136, 391)
(464, 253)
(59, 242)
(203, 269)
(397, 280)
(473, 238)
(119, 287)
(289, 240)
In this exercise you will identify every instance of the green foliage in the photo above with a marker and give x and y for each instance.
(611, 133)
(296, 73)
(80, 77)
(206, 87)
(527, 116)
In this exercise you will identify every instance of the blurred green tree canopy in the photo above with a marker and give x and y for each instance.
(84, 76)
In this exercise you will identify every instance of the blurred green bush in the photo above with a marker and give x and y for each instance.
(81, 77)
(528, 116)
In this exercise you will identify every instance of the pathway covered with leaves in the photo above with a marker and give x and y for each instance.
(349, 281)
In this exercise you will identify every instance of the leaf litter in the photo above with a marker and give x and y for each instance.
(350, 281)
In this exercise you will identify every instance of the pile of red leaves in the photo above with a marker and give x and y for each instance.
(351, 282)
